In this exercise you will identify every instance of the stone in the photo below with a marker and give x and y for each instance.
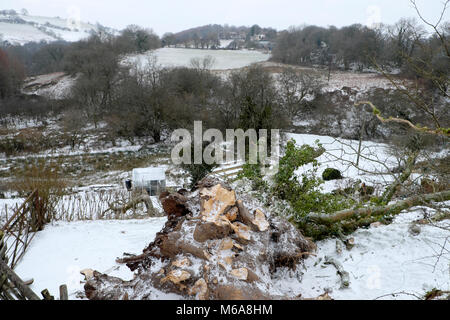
(200, 289)
(241, 273)
(241, 230)
(87, 273)
(176, 276)
(376, 224)
(260, 221)
(181, 263)
(226, 244)
(205, 231)
(349, 243)
(232, 214)
(219, 202)
(414, 229)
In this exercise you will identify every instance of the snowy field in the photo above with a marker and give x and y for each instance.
(59, 252)
(39, 28)
(52, 86)
(179, 57)
(22, 33)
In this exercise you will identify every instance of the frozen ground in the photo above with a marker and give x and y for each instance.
(387, 262)
(53, 86)
(341, 154)
(357, 81)
(59, 252)
(37, 28)
(179, 57)
(385, 259)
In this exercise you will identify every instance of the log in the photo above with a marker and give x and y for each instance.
(18, 283)
(28, 282)
(131, 204)
(392, 209)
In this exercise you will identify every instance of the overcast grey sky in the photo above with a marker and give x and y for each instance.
(176, 15)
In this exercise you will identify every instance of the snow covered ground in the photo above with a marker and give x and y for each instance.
(341, 154)
(179, 57)
(59, 252)
(53, 85)
(386, 260)
(20, 29)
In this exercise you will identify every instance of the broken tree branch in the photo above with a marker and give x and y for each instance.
(345, 277)
(376, 112)
(392, 209)
(144, 198)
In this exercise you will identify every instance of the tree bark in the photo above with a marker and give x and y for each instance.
(393, 209)
(131, 204)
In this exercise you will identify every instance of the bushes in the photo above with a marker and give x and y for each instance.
(12, 74)
(331, 174)
(46, 179)
(28, 140)
(303, 193)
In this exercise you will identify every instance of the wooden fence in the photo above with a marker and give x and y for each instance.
(15, 237)
(18, 230)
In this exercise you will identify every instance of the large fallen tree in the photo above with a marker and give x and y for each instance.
(215, 245)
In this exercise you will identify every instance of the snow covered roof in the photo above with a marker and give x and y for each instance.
(149, 174)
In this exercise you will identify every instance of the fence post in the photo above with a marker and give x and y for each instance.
(47, 295)
(63, 295)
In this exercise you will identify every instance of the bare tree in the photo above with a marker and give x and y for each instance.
(295, 87)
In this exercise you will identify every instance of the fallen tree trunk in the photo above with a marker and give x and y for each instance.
(133, 203)
(392, 209)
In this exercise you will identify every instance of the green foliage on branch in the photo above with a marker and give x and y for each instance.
(303, 192)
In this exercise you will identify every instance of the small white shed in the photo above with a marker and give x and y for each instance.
(151, 179)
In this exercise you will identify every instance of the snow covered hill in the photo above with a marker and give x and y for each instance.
(19, 29)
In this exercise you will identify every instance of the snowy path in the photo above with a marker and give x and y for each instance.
(61, 250)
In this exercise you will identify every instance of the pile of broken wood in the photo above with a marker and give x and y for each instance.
(215, 245)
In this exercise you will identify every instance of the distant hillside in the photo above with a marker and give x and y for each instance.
(21, 28)
(213, 36)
